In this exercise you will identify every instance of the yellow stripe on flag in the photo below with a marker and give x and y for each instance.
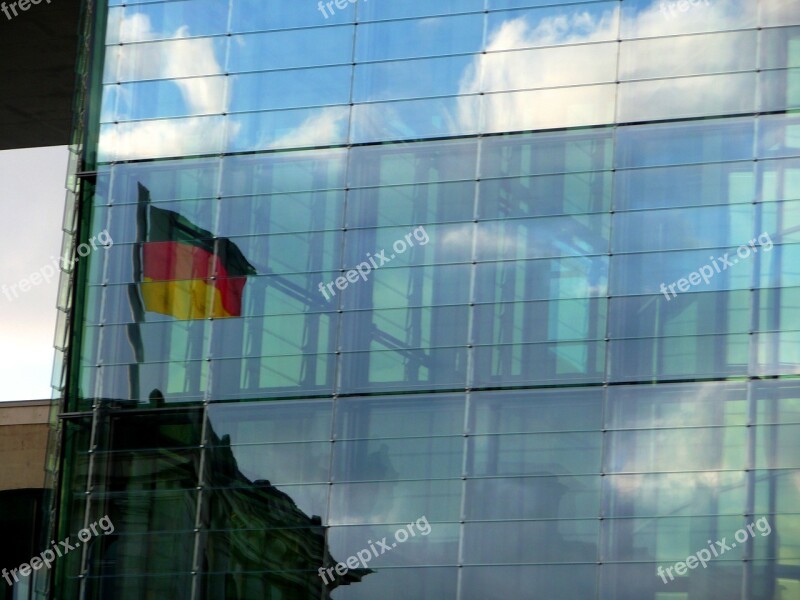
(183, 299)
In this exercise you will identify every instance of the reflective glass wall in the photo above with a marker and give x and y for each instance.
(520, 277)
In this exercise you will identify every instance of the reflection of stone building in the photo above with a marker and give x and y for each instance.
(24, 428)
(254, 542)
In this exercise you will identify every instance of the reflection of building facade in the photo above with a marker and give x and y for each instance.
(519, 379)
(24, 431)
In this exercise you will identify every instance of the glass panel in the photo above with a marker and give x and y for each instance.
(685, 271)
(398, 80)
(779, 46)
(721, 580)
(703, 449)
(541, 454)
(573, 362)
(395, 502)
(396, 459)
(436, 36)
(573, 582)
(546, 68)
(145, 22)
(777, 401)
(380, 418)
(702, 313)
(291, 49)
(540, 154)
(531, 322)
(514, 281)
(691, 186)
(687, 97)
(678, 358)
(650, 18)
(682, 228)
(548, 26)
(280, 464)
(535, 411)
(682, 143)
(419, 543)
(668, 540)
(410, 205)
(777, 446)
(521, 197)
(261, 422)
(779, 90)
(675, 494)
(499, 543)
(564, 497)
(676, 405)
(688, 55)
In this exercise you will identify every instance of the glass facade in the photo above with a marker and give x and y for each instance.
(524, 269)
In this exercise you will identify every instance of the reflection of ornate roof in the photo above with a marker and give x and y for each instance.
(268, 541)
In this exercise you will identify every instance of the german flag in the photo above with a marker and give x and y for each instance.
(186, 272)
